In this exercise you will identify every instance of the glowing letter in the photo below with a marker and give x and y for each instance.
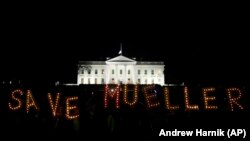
(209, 98)
(112, 93)
(55, 104)
(30, 102)
(71, 108)
(167, 100)
(135, 96)
(187, 103)
(18, 100)
(233, 100)
(150, 97)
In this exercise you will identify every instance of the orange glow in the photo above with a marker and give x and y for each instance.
(135, 96)
(187, 103)
(167, 101)
(16, 99)
(234, 100)
(112, 94)
(151, 98)
(30, 102)
(54, 105)
(72, 111)
(209, 98)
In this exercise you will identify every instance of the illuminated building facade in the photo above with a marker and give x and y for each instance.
(120, 70)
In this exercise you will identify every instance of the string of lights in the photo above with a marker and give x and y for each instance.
(71, 108)
(30, 102)
(209, 98)
(112, 93)
(151, 98)
(54, 105)
(135, 96)
(19, 102)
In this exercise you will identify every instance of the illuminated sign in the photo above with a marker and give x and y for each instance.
(118, 96)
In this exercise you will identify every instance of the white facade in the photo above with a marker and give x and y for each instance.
(121, 70)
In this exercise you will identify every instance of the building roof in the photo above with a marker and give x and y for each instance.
(121, 58)
(150, 63)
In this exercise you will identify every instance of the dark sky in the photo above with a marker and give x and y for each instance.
(196, 46)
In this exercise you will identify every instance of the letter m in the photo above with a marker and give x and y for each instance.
(112, 94)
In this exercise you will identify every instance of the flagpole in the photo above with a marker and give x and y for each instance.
(121, 48)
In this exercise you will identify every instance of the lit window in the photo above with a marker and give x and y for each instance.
(82, 80)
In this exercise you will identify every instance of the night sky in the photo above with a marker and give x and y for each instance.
(197, 47)
(203, 47)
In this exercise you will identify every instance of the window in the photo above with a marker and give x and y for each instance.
(146, 81)
(139, 71)
(152, 72)
(152, 81)
(102, 80)
(113, 80)
(96, 72)
(120, 71)
(89, 71)
(113, 71)
(146, 71)
(139, 81)
(102, 71)
(95, 80)
(128, 71)
(82, 80)
(82, 71)
(88, 80)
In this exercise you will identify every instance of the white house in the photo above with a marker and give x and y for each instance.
(121, 70)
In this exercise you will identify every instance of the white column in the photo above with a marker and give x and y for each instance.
(133, 74)
(107, 73)
(116, 74)
(125, 75)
